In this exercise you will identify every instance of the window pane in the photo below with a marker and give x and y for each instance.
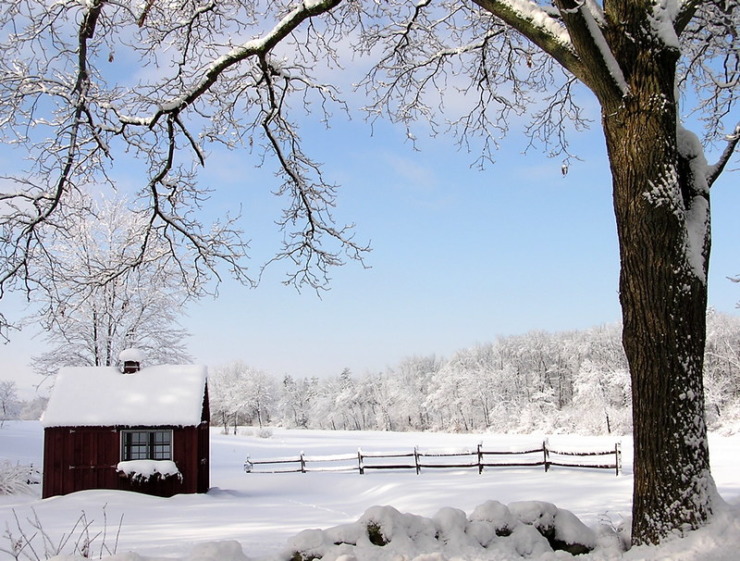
(147, 445)
(135, 446)
(162, 437)
(161, 445)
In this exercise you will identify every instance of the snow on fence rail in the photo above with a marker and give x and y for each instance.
(478, 458)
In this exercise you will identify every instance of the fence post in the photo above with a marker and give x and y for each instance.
(618, 457)
(480, 458)
(546, 453)
(303, 463)
(416, 460)
(360, 465)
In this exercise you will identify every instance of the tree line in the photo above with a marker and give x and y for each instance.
(575, 381)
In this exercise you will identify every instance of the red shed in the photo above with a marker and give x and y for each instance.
(140, 430)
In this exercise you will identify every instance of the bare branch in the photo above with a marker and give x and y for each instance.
(540, 27)
(492, 71)
(710, 67)
(214, 88)
(716, 170)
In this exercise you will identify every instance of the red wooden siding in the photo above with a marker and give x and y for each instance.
(79, 458)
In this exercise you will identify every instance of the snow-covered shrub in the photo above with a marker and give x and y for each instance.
(495, 515)
(562, 529)
(614, 534)
(16, 478)
(141, 471)
(261, 432)
(523, 529)
(265, 432)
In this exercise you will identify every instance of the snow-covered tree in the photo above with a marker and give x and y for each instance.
(9, 404)
(90, 310)
(229, 72)
(722, 366)
(353, 402)
(295, 401)
(410, 382)
(221, 383)
(241, 394)
(601, 401)
(31, 410)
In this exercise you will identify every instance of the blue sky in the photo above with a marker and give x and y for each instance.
(459, 256)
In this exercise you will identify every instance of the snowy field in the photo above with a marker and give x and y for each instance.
(266, 514)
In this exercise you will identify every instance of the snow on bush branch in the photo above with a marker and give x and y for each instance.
(143, 470)
(16, 478)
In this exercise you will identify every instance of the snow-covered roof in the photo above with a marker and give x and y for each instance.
(103, 396)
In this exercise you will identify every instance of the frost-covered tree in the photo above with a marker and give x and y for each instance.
(32, 409)
(601, 401)
(9, 404)
(353, 402)
(229, 72)
(240, 394)
(258, 396)
(601, 398)
(410, 382)
(90, 310)
(722, 367)
(295, 400)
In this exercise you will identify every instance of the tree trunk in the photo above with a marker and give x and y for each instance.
(658, 201)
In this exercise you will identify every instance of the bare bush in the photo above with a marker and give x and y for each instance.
(29, 540)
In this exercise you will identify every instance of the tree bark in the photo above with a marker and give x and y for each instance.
(663, 293)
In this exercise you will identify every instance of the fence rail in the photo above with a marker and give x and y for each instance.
(478, 458)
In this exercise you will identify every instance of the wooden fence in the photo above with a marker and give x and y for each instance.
(478, 458)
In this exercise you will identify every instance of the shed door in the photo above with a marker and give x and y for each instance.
(93, 455)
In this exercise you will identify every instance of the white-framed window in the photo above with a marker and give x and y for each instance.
(146, 445)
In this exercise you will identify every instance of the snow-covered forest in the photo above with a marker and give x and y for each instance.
(575, 382)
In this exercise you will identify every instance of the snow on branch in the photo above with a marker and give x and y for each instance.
(593, 49)
(529, 11)
(541, 26)
(715, 170)
(252, 48)
(663, 21)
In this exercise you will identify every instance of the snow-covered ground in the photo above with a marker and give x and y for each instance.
(264, 515)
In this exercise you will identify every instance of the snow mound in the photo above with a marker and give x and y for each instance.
(493, 531)
(228, 550)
